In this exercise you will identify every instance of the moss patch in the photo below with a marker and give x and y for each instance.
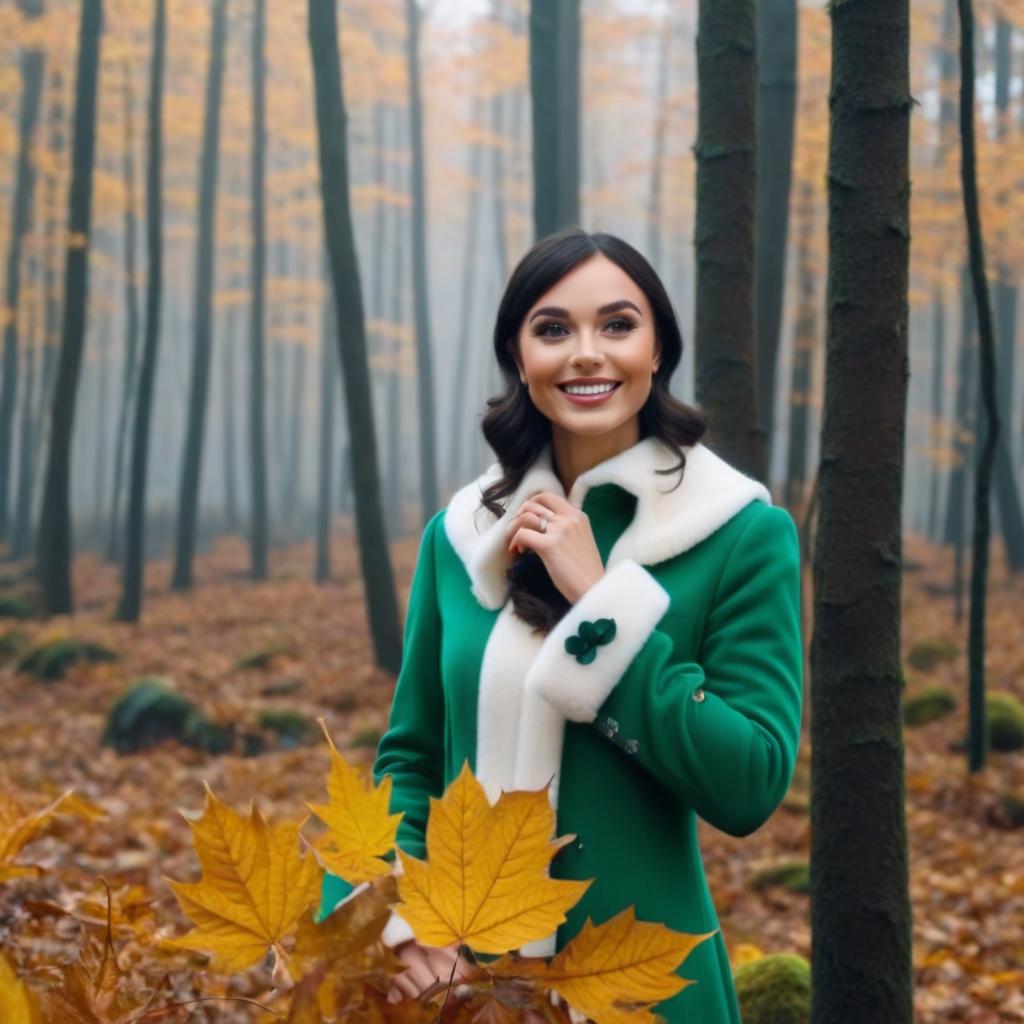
(775, 990)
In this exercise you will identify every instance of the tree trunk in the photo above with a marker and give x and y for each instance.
(130, 604)
(420, 286)
(555, 87)
(805, 347)
(191, 474)
(328, 390)
(978, 732)
(776, 110)
(293, 474)
(860, 905)
(724, 234)
(259, 524)
(332, 129)
(655, 196)
(53, 544)
(32, 63)
(232, 514)
(131, 305)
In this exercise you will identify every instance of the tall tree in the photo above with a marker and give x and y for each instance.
(258, 520)
(131, 304)
(420, 284)
(192, 462)
(656, 195)
(1011, 516)
(332, 131)
(328, 391)
(32, 64)
(724, 231)
(131, 596)
(860, 907)
(776, 112)
(978, 731)
(53, 543)
(555, 88)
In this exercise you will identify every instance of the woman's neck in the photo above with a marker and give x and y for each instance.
(573, 454)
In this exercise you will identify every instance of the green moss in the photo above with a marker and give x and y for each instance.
(152, 710)
(793, 875)
(775, 990)
(13, 606)
(52, 658)
(926, 654)
(12, 642)
(265, 658)
(292, 727)
(1005, 722)
(930, 704)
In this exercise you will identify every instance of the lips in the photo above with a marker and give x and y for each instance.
(617, 384)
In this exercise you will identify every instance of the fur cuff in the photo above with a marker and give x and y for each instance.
(635, 601)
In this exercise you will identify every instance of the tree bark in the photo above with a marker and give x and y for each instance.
(726, 370)
(32, 64)
(130, 605)
(555, 87)
(860, 905)
(53, 544)
(776, 111)
(332, 128)
(192, 463)
(978, 731)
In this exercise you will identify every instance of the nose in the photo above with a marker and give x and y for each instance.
(586, 352)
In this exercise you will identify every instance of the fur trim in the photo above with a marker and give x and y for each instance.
(636, 601)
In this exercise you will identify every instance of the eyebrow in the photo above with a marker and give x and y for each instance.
(610, 307)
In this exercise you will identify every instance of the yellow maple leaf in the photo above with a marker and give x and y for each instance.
(616, 971)
(485, 880)
(18, 1003)
(255, 886)
(359, 828)
(19, 826)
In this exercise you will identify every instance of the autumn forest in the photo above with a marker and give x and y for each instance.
(252, 253)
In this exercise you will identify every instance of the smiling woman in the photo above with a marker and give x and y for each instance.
(578, 624)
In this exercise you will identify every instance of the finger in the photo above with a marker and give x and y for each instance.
(423, 976)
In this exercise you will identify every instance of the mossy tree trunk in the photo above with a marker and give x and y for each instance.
(860, 904)
(726, 370)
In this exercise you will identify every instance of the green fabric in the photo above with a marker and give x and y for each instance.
(732, 631)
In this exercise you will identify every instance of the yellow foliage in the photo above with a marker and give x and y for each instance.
(359, 828)
(485, 881)
(18, 1004)
(255, 886)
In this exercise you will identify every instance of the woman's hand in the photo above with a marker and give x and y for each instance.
(567, 548)
(424, 966)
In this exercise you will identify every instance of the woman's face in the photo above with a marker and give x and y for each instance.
(594, 325)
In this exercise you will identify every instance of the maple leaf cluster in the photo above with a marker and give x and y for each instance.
(484, 886)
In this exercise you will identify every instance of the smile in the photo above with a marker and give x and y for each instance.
(589, 394)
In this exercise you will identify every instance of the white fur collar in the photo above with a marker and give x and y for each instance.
(666, 522)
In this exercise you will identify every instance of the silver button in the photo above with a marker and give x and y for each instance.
(631, 746)
(611, 727)
(698, 695)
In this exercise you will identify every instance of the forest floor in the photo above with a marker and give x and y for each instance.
(966, 862)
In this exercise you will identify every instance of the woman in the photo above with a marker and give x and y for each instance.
(682, 698)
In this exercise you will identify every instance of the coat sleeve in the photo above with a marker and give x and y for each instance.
(721, 732)
(411, 751)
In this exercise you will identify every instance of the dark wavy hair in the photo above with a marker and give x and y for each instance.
(517, 430)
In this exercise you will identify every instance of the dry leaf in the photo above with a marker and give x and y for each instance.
(18, 1003)
(360, 829)
(485, 880)
(254, 889)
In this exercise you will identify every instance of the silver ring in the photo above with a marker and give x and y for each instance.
(543, 524)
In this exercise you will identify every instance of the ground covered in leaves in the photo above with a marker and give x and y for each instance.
(239, 649)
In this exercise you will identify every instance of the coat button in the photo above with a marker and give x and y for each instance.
(698, 695)
(611, 727)
(631, 746)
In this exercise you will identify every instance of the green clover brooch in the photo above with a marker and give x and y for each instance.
(590, 636)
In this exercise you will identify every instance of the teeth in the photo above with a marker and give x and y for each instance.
(588, 389)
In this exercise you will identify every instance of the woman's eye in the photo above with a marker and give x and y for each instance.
(542, 331)
(620, 323)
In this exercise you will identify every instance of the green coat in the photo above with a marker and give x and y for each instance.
(693, 707)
